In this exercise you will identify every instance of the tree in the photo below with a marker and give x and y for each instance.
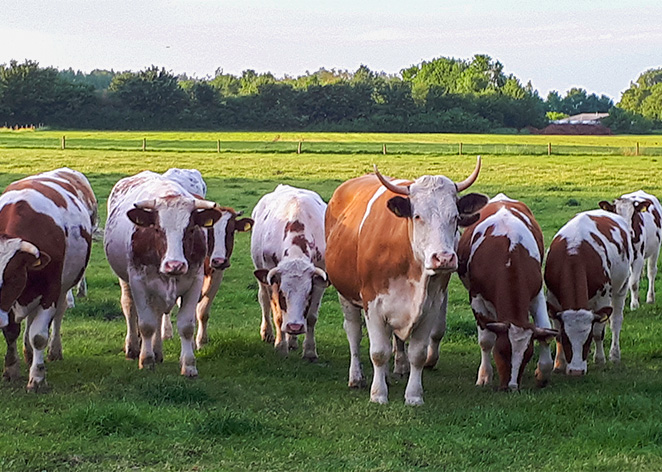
(644, 96)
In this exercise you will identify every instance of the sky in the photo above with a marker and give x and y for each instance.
(598, 45)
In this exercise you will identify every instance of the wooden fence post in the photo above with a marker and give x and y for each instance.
(384, 148)
(637, 151)
(64, 142)
(144, 144)
(460, 149)
(299, 148)
(549, 149)
(218, 146)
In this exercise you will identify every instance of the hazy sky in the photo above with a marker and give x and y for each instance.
(600, 45)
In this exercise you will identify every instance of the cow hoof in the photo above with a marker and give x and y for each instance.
(312, 357)
(414, 401)
(189, 369)
(132, 353)
(356, 383)
(147, 362)
(35, 386)
(380, 399)
(12, 372)
(267, 337)
(55, 355)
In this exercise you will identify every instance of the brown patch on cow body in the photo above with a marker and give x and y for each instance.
(39, 186)
(605, 225)
(20, 220)
(301, 242)
(293, 227)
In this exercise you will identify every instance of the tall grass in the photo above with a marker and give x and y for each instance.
(252, 410)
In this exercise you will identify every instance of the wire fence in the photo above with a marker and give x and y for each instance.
(320, 147)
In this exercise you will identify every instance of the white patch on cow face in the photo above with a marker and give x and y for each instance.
(220, 251)
(174, 216)
(296, 284)
(8, 248)
(520, 340)
(577, 325)
(435, 218)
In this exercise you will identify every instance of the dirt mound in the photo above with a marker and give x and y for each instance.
(572, 129)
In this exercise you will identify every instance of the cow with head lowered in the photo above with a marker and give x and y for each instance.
(155, 242)
(46, 226)
(220, 244)
(390, 251)
(287, 247)
(643, 213)
(586, 273)
(500, 264)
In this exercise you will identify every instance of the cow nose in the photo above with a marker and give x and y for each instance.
(575, 372)
(443, 261)
(174, 268)
(219, 263)
(513, 387)
(294, 328)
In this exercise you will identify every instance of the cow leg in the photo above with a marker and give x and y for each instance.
(27, 347)
(635, 278)
(599, 338)
(309, 344)
(132, 341)
(210, 288)
(157, 344)
(266, 329)
(560, 361)
(615, 323)
(418, 355)
(186, 329)
(379, 335)
(352, 326)
(292, 342)
(38, 338)
(541, 320)
(401, 361)
(55, 341)
(166, 326)
(437, 333)
(652, 272)
(11, 332)
(81, 287)
(486, 340)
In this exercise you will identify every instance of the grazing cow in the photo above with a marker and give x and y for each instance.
(46, 225)
(156, 244)
(500, 263)
(586, 274)
(220, 244)
(287, 247)
(391, 251)
(643, 213)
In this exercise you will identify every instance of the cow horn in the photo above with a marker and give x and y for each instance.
(145, 204)
(29, 248)
(204, 204)
(399, 189)
(465, 184)
(270, 275)
(320, 272)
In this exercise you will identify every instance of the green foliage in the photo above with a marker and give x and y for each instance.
(577, 101)
(644, 97)
(624, 121)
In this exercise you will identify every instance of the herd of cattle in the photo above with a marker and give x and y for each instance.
(388, 246)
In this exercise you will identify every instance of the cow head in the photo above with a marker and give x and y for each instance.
(295, 284)
(17, 257)
(170, 232)
(626, 207)
(575, 330)
(431, 204)
(513, 348)
(220, 241)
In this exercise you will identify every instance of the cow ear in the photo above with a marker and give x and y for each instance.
(261, 275)
(642, 207)
(603, 314)
(607, 206)
(321, 278)
(206, 218)
(544, 334)
(244, 224)
(142, 217)
(40, 262)
(468, 220)
(471, 203)
(497, 327)
(400, 207)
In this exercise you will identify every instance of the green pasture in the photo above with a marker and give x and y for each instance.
(252, 410)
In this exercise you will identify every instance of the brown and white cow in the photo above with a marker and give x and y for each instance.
(500, 263)
(390, 250)
(643, 212)
(46, 225)
(586, 274)
(287, 247)
(155, 242)
(220, 244)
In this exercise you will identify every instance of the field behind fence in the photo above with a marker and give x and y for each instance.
(252, 410)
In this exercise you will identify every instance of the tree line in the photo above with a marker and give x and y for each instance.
(441, 95)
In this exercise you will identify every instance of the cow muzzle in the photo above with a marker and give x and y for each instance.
(575, 372)
(442, 262)
(219, 263)
(295, 328)
(175, 268)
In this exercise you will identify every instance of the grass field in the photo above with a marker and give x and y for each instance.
(252, 410)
